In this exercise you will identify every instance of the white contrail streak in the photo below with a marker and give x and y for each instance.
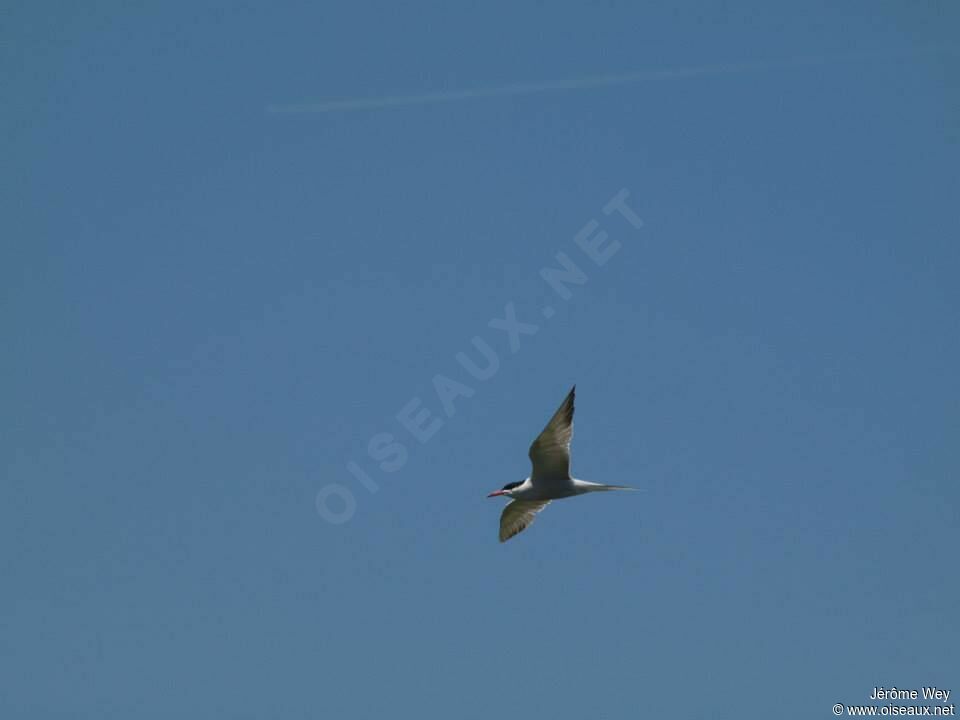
(590, 81)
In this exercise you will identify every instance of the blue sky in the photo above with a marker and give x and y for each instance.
(210, 307)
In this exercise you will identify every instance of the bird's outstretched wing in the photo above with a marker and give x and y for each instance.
(550, 452)
(518, 515)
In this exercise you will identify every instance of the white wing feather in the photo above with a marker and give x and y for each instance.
(550, 452)
(518, 515)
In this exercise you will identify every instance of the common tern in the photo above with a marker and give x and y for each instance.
(550, 478)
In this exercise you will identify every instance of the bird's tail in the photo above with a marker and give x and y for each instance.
(584, 486)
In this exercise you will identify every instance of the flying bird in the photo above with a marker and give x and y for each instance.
(550, 479)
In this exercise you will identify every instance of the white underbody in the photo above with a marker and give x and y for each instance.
(556, 488)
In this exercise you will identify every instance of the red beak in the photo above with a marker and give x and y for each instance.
(497, 492)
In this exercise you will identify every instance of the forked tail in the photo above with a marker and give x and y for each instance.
(583, 486)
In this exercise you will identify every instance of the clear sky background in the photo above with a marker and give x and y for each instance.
(210, 306)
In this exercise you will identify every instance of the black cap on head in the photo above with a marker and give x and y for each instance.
(511, 486)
